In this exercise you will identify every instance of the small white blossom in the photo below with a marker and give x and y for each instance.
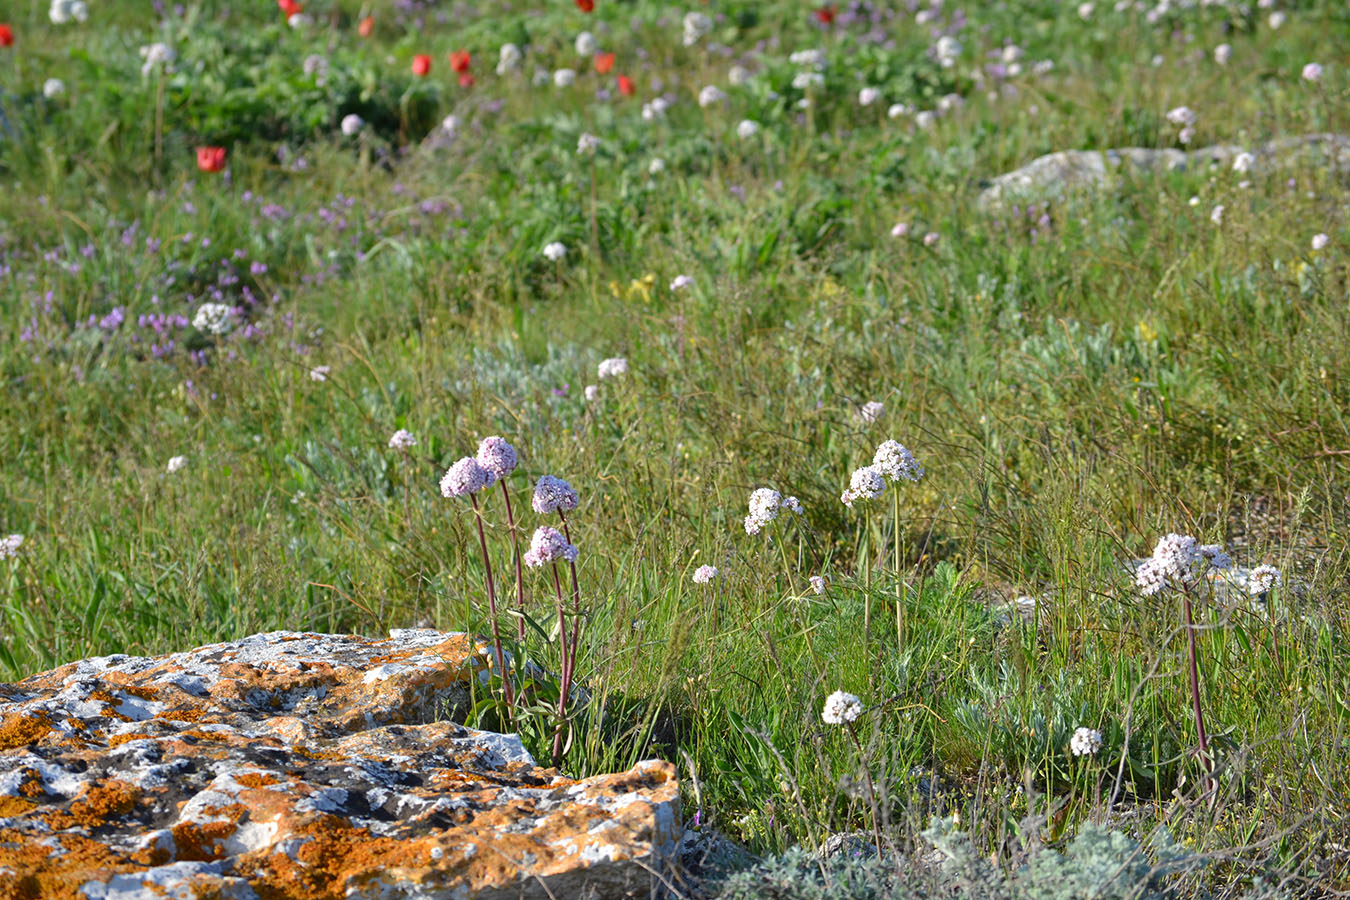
(320, 373)
(900, 229)
(818, 584)
(931, 238)
(1181, 115)
(157, 54)
(656, 109)
(947, 49)
(564, 77)
(53, 88)
(841, 708)
(681, 282)
(586, 45)
(508, 59)
(747, 129)
(656, 166)
(555, 251)
(1276, 19)
(868, 95)
(591, 392)
(1262, 579)
(214, 318)
(176, 464)
(352, 124)
(696, 25)
(450, 125)
(710, 95)
(1085, 742)
(1242, 163)
(813, 58)
(896, 110)
(871, 411)
(895, 462)
(738, 75)
(587, 143)
(705, 574)
(1223, 53)
(612, 368)
(1085, 11)
(1312, 72)
(402, 440)
(1319, 241)
(806, 80)
(925, 119)
(1216, 215)
(866, 483)
(1186, 135)
(792, 504)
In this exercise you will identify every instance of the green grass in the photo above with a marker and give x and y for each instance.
(1130, 370)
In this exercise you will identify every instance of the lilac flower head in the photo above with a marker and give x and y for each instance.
(464, 477)
(9, 546)
(402, 440)
(865, 484)
(496, 456)
(818, 584)
(320, 373)
(548, 545)
(1262, 579)
(1312, 72)
(552, 494)
(705, 574)
(871, 411)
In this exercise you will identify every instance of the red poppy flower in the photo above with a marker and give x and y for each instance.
(604, 63)
(367, 27)
(289, 7)
(585, 5)
(6, 36)
(211, 159)
(421, 65)
(466, 79)
(825, 15)
(626, 86)
(459, 60)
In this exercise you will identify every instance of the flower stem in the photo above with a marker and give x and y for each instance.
(565, 686)
(520, 575)
(576, 598)
(492, 608)
(871, 788)
(899, 558)
(1205, 759)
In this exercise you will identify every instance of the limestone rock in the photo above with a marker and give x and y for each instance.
(1057, 174)
(291, 765)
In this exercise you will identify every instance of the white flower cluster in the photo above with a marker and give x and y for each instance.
(352, 124)
(818, 584)
(705, 574)
(320, 373)
(1262, 579)
(711, 96)
(866, 483)
(1185, 117)
(747, 129)
(587, 143)
(564, 77)
(157, 54)
(1085, 742)
(402, 440)
(465, 477)
(214, 318)
(946, 51)
(176, 464)
(496, 456)
(9, 546)
(508, 59)
(896, 462)
(696, 25)
(871, 411)
(552, 494)
(840, 708)
(63, 11)
(681, 282)
(1242, 163)
(764, 506)
(612, 368)
(555, 251)
(548, 545)
(586, 45)
(654, 110)
(53, 88)
(1178, 561)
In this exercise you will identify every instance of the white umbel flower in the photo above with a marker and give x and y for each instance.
(402, 440)
(612, 368)
(1320, 241)
(818, 584)
(555, 251)
(1312, 72)
(320, 373)
(696, 25)
(738, 75)
(1085, 742)
(587, 143)
(866, 483)
(747, 129)
(871, 411)
(157, 54)
(564, 77)
(705, 574)
(841, 708)
(9, 546)
(1242, 163)
(894, 461)
(176, 464)
(1181, 115)
(1262, 579)
(586, 45)
(681, 282)
(1223, 53)
(1216, 215)
(656, 166)
(352, 124)
(508, 59)
(53, 88)
(711, 95)
(214, 318)
(868, 95)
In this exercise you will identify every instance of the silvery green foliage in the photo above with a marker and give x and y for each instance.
(1098, 863)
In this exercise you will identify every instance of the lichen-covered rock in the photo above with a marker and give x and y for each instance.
(1056, 174)
(291, 765)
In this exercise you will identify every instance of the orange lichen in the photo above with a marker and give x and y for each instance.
(108, 699)
(118, 740)
(36, 873)
(257, 779)
(201, 842)
(96, 805)
(24, 731)
(15, 806)
(187, 715)
(336, 855)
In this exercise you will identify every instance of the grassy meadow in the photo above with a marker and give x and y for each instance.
(1078, 377)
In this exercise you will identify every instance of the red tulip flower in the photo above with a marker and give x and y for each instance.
(290, 8)
(466, 79)
(367, 27)
(421, 65)
(586, 5)
(6, 36)
(211, 159)
(825, 15)
(459, 61)
(604, 63)
(626, 86)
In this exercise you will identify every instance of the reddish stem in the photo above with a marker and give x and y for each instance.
(492, 607)
(576, 598)
(520, 576)
(566, 685)
(1205, 758)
